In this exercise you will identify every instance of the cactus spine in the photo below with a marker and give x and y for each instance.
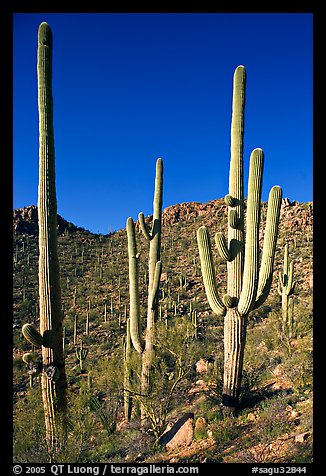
(247, 285)
(153, 235)
(53, 390)
(286, 286)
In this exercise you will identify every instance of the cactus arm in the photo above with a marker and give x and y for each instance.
(229, 301)
(32, 335)
(286, 262)
(290, 283)
(222, 246)
(134, 288)
(280, 283)
(208, 272)
(228, 199)
(269, 247)
(286, 284)
(144, 227)
(250, 271)
(156, 283)
(233, 219)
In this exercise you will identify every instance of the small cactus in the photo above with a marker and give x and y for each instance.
(286, 286)
(75, 328)
(81, 355)
(87, 324)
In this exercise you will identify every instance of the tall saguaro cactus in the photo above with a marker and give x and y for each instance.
(153, 235)
(286, 285)
(127, 349)
(53, 379)
(247, 285)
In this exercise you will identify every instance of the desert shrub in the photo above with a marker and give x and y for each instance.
(225, 431)
(28, 429)
(267, 441)
(174, 359)
(298, 368)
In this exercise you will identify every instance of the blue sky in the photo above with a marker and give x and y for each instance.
(131, 87)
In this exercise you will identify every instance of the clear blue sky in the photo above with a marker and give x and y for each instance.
(131, 87)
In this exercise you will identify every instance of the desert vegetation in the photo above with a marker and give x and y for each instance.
(120, 340)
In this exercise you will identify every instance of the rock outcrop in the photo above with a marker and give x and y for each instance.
(25, 221)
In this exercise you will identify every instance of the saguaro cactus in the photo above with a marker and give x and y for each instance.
(153, 235)
(50, 335)
(286, 286)
(127, 349)
(81, 355)
(247, 285)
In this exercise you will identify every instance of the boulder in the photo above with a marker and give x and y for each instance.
(201, 366)
(302, 437)
(180, 434)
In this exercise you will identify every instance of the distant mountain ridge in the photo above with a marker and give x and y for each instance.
(25, 221)
(295, 216)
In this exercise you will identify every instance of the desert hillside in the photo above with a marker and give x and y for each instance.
(274, 423)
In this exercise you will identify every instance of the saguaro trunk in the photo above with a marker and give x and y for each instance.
(247, 285)
(234, 326)
(53, 375)
(154, 258)
(146, 346)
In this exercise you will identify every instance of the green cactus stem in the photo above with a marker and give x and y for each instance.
(127, 350)
(194, 322)
(248, 285)
(28, 357)
(53, 390)
(286, 285)
(32, 335)
(81, 355)
(208, 272)
(228, 199)
(89, 381)
(153, 235)
(87, 324)
(75, 328)
(134, 310)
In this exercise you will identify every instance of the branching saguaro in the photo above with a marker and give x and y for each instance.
(145, 346)
(247, 285)
(50, 337)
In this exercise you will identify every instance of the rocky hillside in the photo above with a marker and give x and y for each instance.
(94, 281)
(296, 223)
(295, 217)
(25, 221)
